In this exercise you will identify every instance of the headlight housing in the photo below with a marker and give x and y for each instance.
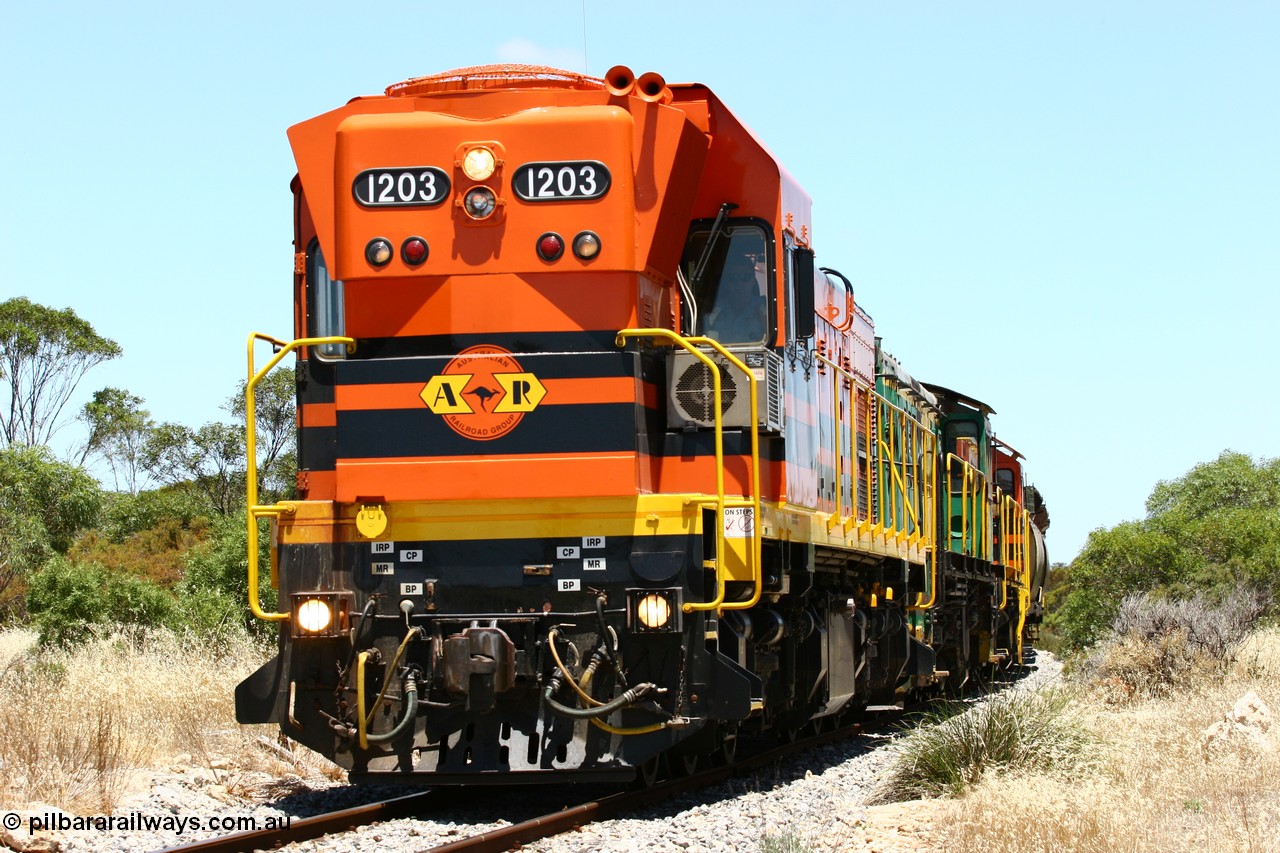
(654, 611)
(320, 614)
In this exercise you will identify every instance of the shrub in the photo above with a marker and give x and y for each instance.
(1210, 532)
(68, 600)
(126, 515)
(215, 588)
(1157, 646)
(954, 748)
(786, 841)
(82, 721)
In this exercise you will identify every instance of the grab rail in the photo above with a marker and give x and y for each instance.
(255, 511)
(691, 345)
(904, 506)
(975, 537)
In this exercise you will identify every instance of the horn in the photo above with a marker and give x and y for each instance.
(652, 88)
(619, 81)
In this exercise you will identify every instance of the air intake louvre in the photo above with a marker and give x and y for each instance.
(691, 392)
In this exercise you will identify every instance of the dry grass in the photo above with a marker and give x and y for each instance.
(1157, 788)
(81, 723)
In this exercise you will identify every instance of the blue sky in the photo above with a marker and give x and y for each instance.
(1068, 210)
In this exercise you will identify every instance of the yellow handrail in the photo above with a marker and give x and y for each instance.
(251, 452)
(972, 501)
(757, 541)
(918, 498)
(690, 345)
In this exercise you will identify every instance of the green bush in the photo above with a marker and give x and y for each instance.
(1211, 532)
(215, 589)
(69, 601)
(951, 748)
(126, 515)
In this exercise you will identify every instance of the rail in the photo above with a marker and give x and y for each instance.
(255, 512)
(721, 501)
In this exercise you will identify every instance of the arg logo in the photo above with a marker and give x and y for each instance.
(483, 393)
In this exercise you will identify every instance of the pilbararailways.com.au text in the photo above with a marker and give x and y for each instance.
(139, 822)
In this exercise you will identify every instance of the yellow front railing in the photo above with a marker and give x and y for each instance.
(282, 348)
(721, 501)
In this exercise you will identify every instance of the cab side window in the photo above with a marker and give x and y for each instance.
(324, 304)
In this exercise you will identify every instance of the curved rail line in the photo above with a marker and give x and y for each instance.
(505, 838)
(316, 826)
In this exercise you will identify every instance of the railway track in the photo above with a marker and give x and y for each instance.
(522, 832)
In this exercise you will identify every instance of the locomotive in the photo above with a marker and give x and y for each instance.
(598, 470)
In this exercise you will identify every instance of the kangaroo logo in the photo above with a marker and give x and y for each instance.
(502, 392)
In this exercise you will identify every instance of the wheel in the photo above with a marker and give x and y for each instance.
(685, 765)
(728, 750)
(647, 773)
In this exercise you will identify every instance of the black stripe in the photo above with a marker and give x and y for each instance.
(517, 342)
(390, 433)
(736, 443)
(317, 448)
(315, 381)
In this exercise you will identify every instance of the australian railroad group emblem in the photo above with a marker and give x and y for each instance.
(483, 393)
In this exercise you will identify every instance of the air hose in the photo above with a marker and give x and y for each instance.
(598, 709)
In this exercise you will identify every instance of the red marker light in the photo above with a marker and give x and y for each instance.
(550, 246)
(414, 251)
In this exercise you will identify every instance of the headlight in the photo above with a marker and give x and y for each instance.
(479, 202)
(320, 614)
(314, 616)
(478, 163)
(378, 252)
(654, 611)
(586, 245)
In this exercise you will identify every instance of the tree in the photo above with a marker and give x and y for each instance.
(1213, 531)
(44, 504)
(44, 353)
(118, 432)
(275, 404)
(211, 458)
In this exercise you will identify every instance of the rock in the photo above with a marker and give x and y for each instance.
(1247, 724)
(23, 841)
(1252, 711)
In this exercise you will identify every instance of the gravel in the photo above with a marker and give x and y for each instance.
(815, 801)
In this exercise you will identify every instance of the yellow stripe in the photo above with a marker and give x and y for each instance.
(313, 522)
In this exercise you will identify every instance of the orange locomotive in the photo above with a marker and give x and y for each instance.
(595, 467)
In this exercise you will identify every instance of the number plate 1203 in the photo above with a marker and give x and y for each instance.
(418, 186)
(563, 181)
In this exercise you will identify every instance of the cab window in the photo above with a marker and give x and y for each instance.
(731, 291)
(324, 304)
